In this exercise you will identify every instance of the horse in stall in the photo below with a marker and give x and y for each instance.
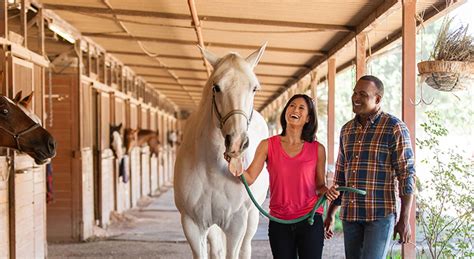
(116, 142)
(213, 203)
(140, 137)
(21, 129)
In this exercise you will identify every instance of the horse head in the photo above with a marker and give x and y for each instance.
(116, 142)
(130, 139)
(232, 87)
(21, 129)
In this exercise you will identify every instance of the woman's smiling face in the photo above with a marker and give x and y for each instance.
(297, 112)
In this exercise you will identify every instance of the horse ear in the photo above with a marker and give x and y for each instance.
(254, 58)
(27, 100)
(209, 56)
(17, 97)
(119, 126)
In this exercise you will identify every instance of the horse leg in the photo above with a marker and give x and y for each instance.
(196, 237)
(234, 232)
(216, 241)
(252, 225)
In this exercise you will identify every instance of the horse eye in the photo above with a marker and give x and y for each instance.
(254, 89)
(216, 88)
(5, 111)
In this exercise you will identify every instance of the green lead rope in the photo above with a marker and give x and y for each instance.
(308, 216)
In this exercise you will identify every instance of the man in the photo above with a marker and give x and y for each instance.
(374, 150)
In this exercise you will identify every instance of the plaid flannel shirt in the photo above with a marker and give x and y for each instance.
(371, 158)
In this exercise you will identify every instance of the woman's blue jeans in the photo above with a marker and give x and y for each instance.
(368, 239)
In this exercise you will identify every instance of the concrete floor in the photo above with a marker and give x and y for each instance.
(153, 230)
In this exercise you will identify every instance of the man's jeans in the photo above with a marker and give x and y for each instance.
(368, 239)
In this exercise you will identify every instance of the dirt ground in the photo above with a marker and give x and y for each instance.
(153, 230)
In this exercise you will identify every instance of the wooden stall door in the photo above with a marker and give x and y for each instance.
(144, 155)
(4, 213)
(154, 158)
(27, 184)
(59, 216)
(86, 193)
(104, 180)
(122, 190)
(134, 158)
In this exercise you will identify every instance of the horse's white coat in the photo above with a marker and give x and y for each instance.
(117, 145)
(213, 203)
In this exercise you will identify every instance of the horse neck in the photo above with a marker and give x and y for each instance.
(145, 136)
(205, 121)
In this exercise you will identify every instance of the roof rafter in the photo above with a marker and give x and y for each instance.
(130, 53)
(208, 44)
(208, 18)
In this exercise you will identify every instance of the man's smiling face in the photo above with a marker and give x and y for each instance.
(365, 98)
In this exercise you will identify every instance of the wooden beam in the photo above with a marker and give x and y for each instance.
(382, 11)
(208, 44)
(166, 83)
(174, 87)
(4, 19)
(208, 18)
(408, 95)
(361, 39)
(331, 109)
(196, 22)
(24, 22)
(40, 23)
(161, 76)
(130, 53)
(193, 70)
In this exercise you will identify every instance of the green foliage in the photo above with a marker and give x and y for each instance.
(446, 202)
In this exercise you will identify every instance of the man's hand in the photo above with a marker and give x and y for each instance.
(332, 193)
(328, 227)
(403, 229)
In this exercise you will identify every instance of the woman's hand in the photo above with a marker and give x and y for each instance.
(332, 193)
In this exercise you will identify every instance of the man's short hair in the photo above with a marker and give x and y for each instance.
(377, 82)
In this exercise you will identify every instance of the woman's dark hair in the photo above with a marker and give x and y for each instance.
(310, 127)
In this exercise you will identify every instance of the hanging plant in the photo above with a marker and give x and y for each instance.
(451, 66)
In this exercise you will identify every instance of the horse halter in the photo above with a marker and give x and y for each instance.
(222, 120)
(17, 136)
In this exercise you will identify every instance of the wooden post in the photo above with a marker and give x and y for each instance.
(408, 94)
(3, 59)
(4, 19)
(40, 23)
(23, 22)
(331, 109)
(361, 39)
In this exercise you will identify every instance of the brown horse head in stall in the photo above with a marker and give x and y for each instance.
(150, 137)
(116, 142)
(21, 129)
(130, 139)
(140, 137)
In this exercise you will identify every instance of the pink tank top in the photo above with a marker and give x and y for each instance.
(292, 180)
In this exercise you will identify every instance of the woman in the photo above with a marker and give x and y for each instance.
(296, 164)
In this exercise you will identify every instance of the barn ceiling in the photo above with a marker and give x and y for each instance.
(157, 39)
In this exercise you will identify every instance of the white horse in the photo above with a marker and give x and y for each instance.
(213, 203)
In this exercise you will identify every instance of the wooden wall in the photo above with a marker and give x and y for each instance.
(4, 212)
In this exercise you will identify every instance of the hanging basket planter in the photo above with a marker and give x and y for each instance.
(447, 76)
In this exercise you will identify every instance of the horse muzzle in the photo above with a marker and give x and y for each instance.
(235, 146)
